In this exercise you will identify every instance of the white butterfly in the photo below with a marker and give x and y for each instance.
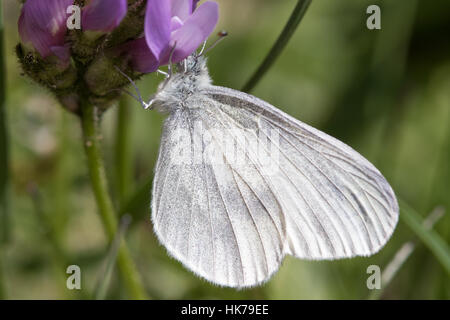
(232, 222)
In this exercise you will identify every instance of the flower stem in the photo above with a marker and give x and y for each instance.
(280, 44)
(91, 135)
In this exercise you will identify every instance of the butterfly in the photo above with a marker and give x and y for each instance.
(239, 185)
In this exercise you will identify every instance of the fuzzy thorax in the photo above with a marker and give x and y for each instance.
(190, 78)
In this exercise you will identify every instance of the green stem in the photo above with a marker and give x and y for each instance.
(127, 269)
(280, 44)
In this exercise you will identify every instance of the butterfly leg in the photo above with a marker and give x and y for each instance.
(202, 49)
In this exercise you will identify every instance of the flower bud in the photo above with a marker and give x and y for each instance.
(49, 72)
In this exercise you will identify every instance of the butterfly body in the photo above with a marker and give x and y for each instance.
(239, 185)
(176, 90)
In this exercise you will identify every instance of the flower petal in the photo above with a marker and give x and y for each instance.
(157, 26)
(182, 8)
(195, 30)
(175, 23)
(43, 24)
(141, 58)
(104, 15)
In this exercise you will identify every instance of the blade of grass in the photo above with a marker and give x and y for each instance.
(105, 277)
(279, 45)
(392, 268)
(430, 238)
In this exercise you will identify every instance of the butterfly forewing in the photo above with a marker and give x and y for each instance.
(206, 212)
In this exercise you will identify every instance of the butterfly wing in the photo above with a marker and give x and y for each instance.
(206, 214)
(348, 205)
(286, 188)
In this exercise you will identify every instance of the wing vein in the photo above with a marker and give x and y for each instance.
(253, 220)
(228, 214)
(330, 180)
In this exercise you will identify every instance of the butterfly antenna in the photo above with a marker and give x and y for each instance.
(139, 96)
(127, 92)
(202, 49)
(222, 34)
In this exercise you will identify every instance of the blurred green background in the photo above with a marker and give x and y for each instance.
(384, 92)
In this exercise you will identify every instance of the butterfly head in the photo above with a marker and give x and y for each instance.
(190, 77)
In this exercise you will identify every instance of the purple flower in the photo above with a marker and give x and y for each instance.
(172, 25)
(103, 15)
(175, 23)
(43, 24)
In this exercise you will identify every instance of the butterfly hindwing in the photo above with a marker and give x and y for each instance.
(324, 185)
